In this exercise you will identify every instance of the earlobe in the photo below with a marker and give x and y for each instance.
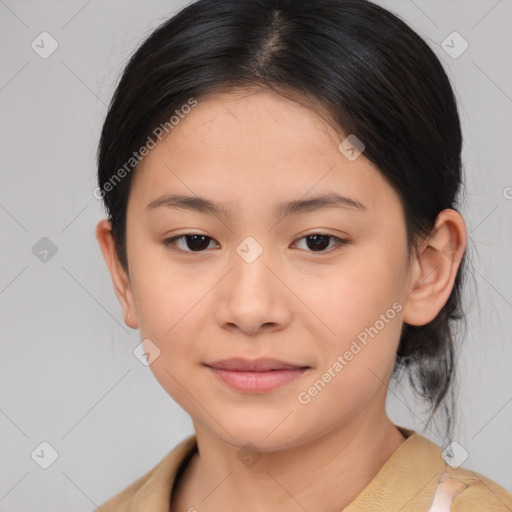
(120, 278)
(436, 263)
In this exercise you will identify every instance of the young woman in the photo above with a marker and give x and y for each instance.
(281, 180)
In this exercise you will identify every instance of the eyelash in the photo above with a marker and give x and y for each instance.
(169, 243)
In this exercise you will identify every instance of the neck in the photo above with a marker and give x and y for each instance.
(325, 473)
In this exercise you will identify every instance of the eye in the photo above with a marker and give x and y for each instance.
(320, 241)
(195, 242)
(317, 242)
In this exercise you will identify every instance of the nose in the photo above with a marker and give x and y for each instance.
(252, 297)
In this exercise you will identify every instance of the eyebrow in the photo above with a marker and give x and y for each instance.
(294, 207)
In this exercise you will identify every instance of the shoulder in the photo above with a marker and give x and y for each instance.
(152, 490)
(453, 489)
(477, 492)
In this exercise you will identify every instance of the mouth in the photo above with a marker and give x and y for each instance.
(256, 376)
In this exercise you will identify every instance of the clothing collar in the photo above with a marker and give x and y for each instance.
(405, 483)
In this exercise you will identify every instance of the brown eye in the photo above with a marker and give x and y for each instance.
(192, 243)
(319, 242)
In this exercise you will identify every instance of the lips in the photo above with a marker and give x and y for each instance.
(256, 376)
(256, 365)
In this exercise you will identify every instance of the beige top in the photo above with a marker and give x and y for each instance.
(415, 478)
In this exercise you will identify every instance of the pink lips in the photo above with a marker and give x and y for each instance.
(256, 376)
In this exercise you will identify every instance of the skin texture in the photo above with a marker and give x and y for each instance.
(250, 151)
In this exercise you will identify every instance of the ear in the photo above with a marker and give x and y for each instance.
(120, 278)
(434, 268)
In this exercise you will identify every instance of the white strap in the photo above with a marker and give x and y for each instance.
(446, 490)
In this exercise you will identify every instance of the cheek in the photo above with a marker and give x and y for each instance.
(166, 296)
(351, 301)
(170, 314)
(172, 372)
(356, 363)
(360, 304)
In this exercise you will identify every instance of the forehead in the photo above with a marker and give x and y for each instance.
(255, 148)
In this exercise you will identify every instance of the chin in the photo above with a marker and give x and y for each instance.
(262, 435)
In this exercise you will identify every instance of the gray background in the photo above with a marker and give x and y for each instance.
(67, 372)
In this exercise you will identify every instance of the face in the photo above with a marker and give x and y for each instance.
(318, 287)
